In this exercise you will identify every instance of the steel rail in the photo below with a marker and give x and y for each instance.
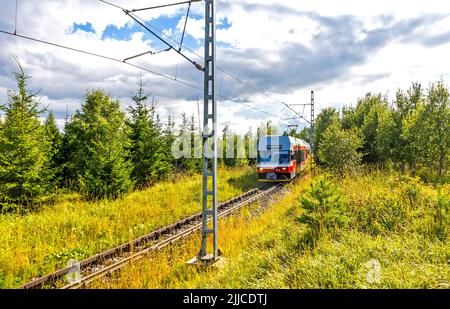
(136, 245)
(164, 243)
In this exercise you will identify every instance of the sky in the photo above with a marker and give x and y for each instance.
(278, 50)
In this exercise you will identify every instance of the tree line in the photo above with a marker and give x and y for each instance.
(411, 134)
(104, 152)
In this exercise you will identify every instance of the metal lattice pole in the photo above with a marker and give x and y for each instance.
(209, 207)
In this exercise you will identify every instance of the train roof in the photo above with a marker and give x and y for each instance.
(283, 139)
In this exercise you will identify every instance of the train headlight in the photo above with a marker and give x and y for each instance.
(284, 169)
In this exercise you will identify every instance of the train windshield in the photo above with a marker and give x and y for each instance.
(273, 157)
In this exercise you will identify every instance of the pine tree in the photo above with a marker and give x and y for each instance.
(196, 151)
(324, 208)
(168, 138)
(52, 131)
(67, 161)
(24, 149)
(55, 138)
(250, 147)
(147, 148)
(228, 147)
(186, 132)
(98, 138)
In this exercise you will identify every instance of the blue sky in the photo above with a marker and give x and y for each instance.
(341, 49)
(167, 24)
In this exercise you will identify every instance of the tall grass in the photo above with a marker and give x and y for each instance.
(38, 243)
(396, 238)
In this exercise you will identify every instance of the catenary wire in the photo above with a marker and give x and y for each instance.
(195, 53)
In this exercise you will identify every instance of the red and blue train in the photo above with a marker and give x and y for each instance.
(281, 158)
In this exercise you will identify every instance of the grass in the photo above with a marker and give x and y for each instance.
(39, 243)
(394, 239)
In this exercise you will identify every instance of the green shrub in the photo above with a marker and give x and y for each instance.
(339, 150)
(324, 208)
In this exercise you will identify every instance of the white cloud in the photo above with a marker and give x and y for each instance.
(343, 49)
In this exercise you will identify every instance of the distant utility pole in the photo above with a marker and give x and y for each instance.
(312, 120)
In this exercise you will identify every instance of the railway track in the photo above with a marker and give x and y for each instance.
(114, 259)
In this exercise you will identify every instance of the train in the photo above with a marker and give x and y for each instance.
(281, 158)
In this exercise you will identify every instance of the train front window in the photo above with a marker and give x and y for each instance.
(273, 157)
(284, 158)
(264, 156)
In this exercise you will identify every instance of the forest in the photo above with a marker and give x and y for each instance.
(104, 152)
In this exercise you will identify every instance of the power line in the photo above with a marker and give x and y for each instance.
(197, 66)
(15, 19)
(264, 94)
(104, 57)
(185, 24)
(135, 66)
(169, 77)
(251, 106)
(111, 4)
(165, 5)
(143, 23)
(222, 70)
(139, 21)
(134, 16)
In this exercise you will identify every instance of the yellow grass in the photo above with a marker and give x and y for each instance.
(242, 239)
(39, 243)
(269, 250)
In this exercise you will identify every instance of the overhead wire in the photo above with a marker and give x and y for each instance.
(184, 28)
(197, 66)
(142, 24)
(164, 5)
(166, 76)
(142, 21)
(15, 18)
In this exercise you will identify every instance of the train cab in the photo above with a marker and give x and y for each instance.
(281, 158)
